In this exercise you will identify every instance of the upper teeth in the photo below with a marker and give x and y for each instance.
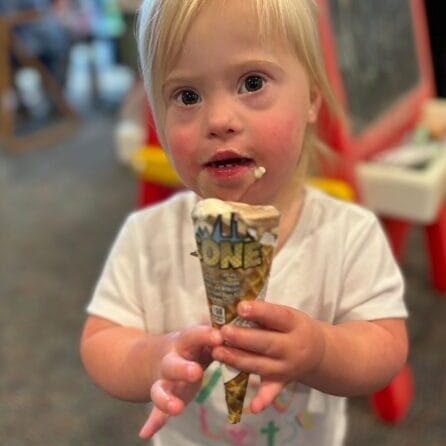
(220, 164)
(230, 162)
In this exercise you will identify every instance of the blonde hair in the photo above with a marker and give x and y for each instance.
(163, 25)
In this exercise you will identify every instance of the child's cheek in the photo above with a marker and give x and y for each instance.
(180, 147)
(280, 135)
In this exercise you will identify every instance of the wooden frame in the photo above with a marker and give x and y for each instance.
(11, 45)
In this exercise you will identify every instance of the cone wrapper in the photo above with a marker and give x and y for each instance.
(235, 245)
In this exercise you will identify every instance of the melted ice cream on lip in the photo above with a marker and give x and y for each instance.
(259, 171)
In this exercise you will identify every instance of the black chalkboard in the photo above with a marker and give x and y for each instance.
(376, 55)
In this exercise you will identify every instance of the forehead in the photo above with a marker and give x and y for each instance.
(265, 19)
(220, 24)
(206, 18)
(223, 24)
(226, 12)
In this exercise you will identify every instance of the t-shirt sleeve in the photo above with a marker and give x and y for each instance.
(115, 296)
(373, 287)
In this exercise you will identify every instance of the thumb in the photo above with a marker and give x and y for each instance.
(194, 341)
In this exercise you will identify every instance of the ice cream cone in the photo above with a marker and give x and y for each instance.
(235, 244)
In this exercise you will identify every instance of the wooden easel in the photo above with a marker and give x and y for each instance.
(11, 46)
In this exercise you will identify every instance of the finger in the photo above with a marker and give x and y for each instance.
(157, 419)
(273, 316)
(265, 395)
(265, 342)
(176, 368)
(248, 362)
(191, 342)
(164, 399)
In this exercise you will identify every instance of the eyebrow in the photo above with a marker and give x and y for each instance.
(179, 78)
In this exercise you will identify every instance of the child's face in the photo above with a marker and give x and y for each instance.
(234, 105)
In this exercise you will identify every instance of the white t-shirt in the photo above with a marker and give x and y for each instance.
(336, 266)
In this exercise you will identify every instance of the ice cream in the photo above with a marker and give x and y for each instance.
(235, 244)
(259, 171)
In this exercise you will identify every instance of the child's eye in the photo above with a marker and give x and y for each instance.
(252, 83)
(187, 97)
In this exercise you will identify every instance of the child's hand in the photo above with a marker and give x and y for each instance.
(288, 345)
(180, 370)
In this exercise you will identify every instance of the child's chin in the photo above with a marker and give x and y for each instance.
(235, 188)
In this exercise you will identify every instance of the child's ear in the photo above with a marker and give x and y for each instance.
(315, 105)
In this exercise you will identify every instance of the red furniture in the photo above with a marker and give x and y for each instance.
(382, 131)
(392, 403)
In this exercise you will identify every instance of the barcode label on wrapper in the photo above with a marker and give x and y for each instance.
(218, 314)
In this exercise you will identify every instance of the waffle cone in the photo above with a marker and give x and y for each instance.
(235, 391)
(235, 245)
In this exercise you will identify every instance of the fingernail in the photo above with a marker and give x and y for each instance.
(244, 308)
(171, 407)
(257, 408)
(216, 337)
(144, 433)
(191, 371)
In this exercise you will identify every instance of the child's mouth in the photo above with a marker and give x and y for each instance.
(231, 169)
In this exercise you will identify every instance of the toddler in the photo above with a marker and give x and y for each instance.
(235, 87)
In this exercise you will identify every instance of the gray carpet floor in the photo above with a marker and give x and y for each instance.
(60, 208)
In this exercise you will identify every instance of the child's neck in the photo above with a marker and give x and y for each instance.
(290, 208)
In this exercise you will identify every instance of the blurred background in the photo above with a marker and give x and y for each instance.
(77, 155)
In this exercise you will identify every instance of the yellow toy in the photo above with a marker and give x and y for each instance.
(152, 164)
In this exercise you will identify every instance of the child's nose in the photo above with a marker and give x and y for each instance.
(223, 120)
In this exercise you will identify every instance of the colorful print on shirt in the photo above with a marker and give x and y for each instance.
(280, 424)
